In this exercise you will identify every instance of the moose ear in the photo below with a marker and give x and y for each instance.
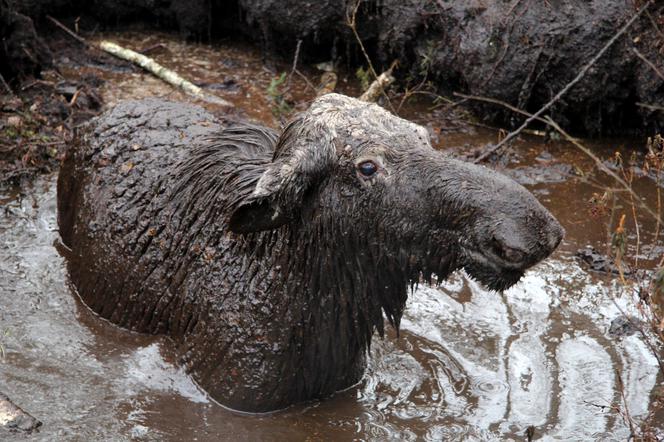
(255, 216)
(262, 209)
(301, 160)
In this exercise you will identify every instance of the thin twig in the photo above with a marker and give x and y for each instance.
(603, 168)
(37, 82)
(629, 178)
(409, 92)
(642, 332)
(637, 231)
(648, 62)
(498, 102)
(654, 24)
(563, 91)
(352, 23)
(71, 33)
(6, 86)
(294, 68)
(659, 208)
(625, 411)
(650, 106)
(306, 80)
(153, 48)
(75, 97)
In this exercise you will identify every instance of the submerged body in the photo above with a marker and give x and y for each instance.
(269, 258)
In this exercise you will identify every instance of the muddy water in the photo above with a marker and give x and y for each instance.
(469, 364)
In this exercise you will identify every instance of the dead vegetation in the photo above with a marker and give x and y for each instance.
(37, 123)
(645, 286)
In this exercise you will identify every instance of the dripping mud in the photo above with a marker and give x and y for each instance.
(468, 363)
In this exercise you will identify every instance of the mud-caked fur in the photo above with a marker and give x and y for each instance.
(271, 258)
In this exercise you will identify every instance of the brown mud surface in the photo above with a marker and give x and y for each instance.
(469, 364)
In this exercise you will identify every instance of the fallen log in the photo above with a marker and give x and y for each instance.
(13, 418)
(169, 76)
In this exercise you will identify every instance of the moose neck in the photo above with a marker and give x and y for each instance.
(346, 286)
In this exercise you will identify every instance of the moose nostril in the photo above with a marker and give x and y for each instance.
(497, 247)
(506, 252)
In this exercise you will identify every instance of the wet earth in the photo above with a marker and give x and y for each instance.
(469, 364)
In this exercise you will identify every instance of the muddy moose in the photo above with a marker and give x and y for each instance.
(272, 258)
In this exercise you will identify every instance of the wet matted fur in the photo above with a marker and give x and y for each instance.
(272, 258)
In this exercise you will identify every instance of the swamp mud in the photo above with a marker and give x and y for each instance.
(552, 356)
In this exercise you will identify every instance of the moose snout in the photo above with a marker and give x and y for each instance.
(507, 250)
(519, 247)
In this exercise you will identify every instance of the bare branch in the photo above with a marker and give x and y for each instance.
(569, 86)
(294, 68)
(598, 162)
(648, 62)
(71, 33)
(351, 21)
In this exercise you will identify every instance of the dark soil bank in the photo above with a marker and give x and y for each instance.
(519, 51)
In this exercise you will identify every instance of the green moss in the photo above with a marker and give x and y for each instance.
(276, 92)
(363, 75)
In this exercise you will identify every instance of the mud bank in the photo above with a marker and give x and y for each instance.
(521, 52)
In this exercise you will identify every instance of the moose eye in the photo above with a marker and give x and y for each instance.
(367, 168)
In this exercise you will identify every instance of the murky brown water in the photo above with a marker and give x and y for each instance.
(469, 364)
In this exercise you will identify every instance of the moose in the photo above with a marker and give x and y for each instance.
(272, 258)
